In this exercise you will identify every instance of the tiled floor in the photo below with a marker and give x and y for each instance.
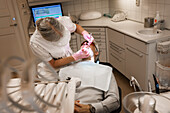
(123, 83)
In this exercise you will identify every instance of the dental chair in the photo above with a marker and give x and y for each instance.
(120, 90)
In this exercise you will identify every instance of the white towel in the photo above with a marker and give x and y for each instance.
(163, 47)
(90, 73)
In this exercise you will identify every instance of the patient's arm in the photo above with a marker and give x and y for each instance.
(111, 99)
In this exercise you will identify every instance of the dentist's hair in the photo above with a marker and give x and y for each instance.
(50, 28)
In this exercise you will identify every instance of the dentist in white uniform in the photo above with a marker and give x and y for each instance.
(50, 41)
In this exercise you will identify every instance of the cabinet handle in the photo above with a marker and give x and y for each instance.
(96, 33)
(116, 57)
(98, 41)
(13, 24)
(138, 54)
(116, 49)
(93, 29)
(97, 37)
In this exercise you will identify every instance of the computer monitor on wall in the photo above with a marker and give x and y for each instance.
(46, 10)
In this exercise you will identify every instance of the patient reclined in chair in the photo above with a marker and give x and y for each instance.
(98, 91)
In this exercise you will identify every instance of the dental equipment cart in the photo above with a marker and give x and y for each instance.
(31, 92)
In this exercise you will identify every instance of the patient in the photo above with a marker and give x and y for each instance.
(98, 92)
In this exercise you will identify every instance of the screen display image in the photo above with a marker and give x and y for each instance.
(46, 11)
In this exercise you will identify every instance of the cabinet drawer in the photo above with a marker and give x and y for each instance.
(74, 49)
(141, 46)
(117, 62)
(116, 37)
(102, 45)
(94, 29)
(73, 36)
(96, 38)
(73, 43)
(98, 34)
(100, 40)
(82, 39)
(99, 37)
(102, 56)
(117, 50)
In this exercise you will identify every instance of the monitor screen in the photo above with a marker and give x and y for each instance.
(47, 10)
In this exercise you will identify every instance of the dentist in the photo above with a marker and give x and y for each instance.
(50, 41)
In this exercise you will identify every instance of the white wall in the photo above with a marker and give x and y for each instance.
(76, 7)
(147, 8)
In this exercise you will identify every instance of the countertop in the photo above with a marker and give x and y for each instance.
(127, 27)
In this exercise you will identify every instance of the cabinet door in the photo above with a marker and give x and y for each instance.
(102, 56)
(116, 37)
(116, 50)
(136, 65)
(11, 41)
(117, 62)
(74, 43)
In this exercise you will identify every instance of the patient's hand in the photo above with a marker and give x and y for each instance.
(81, 108)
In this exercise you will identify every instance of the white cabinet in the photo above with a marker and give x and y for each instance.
(136, 60)
(99, 35)
(132, 57)
(136, 65)
(74, 42)
(116, 50)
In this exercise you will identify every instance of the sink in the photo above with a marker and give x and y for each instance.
(149, 32)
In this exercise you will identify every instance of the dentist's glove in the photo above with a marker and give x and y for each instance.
(82, 53)
(87, 36)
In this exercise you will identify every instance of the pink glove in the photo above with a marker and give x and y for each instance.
(82, 53)
(87, 36)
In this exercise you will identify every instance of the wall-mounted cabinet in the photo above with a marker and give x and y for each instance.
(39, 2)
